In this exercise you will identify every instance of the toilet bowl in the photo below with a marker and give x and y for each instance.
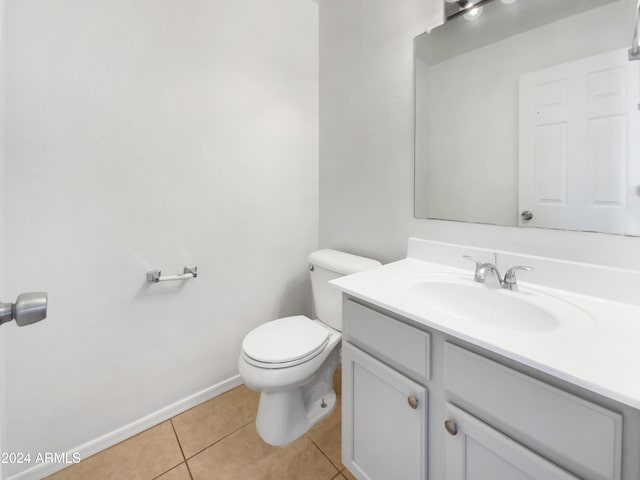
(294, 394)
(291, 360)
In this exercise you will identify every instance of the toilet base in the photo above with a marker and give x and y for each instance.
(284, 416)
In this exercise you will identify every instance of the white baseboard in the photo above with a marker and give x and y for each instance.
(96, 445)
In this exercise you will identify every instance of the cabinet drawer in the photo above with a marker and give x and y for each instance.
(475, 450)
(401, 346)
(568, 429)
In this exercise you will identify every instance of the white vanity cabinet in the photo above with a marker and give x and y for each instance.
(385, 413)
(475, 451)
(477, 415)
(386, 435)
(565, 428)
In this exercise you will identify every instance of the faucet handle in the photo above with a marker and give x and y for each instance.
(473, 259)
(476, 261)
(510, 280)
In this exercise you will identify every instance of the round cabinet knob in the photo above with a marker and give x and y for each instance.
(526, 215)
(413, 402)
(451, 427)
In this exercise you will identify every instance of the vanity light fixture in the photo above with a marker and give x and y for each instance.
(470, 9)
(473, 14)
(462, 4)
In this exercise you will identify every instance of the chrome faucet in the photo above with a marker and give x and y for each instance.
(509, 280)
(482, 269)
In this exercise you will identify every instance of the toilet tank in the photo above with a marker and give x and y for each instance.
(327, 265)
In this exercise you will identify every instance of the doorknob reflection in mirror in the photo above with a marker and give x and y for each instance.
(526, 215)
(29, 308)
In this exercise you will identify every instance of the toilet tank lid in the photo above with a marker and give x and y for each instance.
(341, 262)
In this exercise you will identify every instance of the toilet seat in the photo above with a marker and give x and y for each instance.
(285, 342)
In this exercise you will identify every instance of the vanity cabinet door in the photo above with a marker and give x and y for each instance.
(384, 420)
(475, 451)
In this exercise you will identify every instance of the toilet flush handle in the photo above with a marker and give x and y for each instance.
(310, 267)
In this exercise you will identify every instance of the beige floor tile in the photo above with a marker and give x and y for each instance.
(142, 457)
(245, 456)
(348, 475)
(339, 476)
(327, 436)
(209, 422)
(179, 473)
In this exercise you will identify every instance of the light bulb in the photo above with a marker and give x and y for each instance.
(473, 13)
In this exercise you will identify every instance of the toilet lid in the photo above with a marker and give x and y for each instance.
(285, 340)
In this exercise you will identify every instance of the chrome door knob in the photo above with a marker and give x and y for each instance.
(29, 308)
(526, 215)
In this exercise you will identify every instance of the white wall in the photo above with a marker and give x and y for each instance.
(2, 297)
(145, 134)
(366, 138)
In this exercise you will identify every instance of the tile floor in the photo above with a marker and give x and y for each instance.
(217, 440)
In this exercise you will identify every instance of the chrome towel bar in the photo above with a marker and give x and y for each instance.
(155, 276)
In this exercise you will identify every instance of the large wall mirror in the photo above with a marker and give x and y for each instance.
(527, 113)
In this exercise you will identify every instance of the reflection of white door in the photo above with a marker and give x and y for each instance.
(578, 153)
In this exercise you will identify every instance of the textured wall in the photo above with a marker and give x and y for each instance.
(144, 134)
(2, 296)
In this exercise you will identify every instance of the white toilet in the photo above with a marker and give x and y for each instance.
(291, 361)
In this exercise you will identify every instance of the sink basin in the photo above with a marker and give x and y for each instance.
(525, 309)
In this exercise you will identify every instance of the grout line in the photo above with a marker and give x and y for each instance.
(338, 476)
(188, 470)
(181, 450)
(219, 440)
(200, 451)
(163, 473)
(180, 446)
(177, 439)
(325, 455)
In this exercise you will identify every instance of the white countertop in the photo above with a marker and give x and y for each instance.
(601, 355)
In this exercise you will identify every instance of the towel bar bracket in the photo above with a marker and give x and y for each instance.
(155, 276)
